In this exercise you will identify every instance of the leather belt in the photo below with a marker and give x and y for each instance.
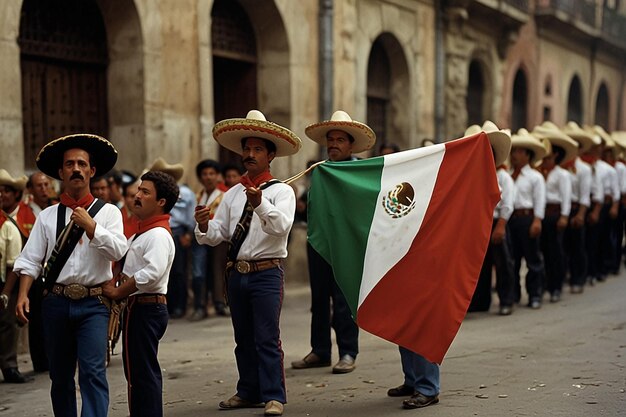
(523, 213)
(76, 291)
(149, 299)
(246, 267)
(553, 209)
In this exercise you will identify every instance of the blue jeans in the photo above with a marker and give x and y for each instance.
(255, 303)
(419, 373)
(201, 273)
(77, 331)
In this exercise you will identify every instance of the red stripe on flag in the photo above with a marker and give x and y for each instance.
(421, 302)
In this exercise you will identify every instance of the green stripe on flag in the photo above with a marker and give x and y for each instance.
(337, 188)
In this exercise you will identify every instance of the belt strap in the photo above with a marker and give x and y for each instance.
(76, 291)
(148, 299)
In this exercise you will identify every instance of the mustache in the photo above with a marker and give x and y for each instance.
(332, 147)
(77, 176)
(249, 159)
(137, 203)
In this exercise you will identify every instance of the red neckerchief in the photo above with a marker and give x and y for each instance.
(570, 165)
(502, 166)
(589, 159)
(516, 172)
(84, 202)
(256, 182)
(3, 217)
(162, 220)
(546, 171)
(222, 187)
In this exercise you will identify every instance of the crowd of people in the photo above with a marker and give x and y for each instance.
(153, 241)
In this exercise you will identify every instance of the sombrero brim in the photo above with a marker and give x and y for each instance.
(364, 136)
(501, 143)
(532, 144)
(103, 155)
(619, 138)
(229, 133)
(571, 150)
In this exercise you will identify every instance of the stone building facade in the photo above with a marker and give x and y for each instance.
(155, 75)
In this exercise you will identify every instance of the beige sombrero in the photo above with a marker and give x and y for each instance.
(585, 140)
(364, 136)
(555, 137)
(16, 183)
(500, 140)
(523, 139)
(609, 143)
(175, 170)
(101, 151)
(229, 133)
(619, 137)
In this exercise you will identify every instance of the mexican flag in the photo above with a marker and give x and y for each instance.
(406, 235)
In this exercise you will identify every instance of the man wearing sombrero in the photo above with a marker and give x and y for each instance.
(342, 137)
(528, 212)
(74, 309)
(255, 217)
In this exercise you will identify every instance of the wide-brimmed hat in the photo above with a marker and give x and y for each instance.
(364, 137)
(230, 132)
(17, 184)
(619, 137)
(175, 170)
(102, 153)
(550, 132)
(500, 140)
(585, 139)
(607, 139)
(523, 139)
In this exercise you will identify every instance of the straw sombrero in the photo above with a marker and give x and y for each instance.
(102, 153)
(550, 132)
(175, 170)
(364, 136)
(500, 140)
(523, 139)
(229, 133)
(585, 140)
(620, 138)
(16, 183)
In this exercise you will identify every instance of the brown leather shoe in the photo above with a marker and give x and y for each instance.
(237, 402)
(310, 361)
(274, 408)
(345, 365)
(419, 400)
(401, 391)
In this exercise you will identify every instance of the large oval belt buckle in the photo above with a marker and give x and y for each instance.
(75, 291)
(243, 267)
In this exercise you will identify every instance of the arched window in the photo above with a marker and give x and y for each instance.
(575, 101)
(602, 107)
(378, 90)
(519, 115)
(63, 58)
(474, 101)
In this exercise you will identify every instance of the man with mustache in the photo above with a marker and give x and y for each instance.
(255, 216)
(74, 309)
(144, 281)
(342, 137)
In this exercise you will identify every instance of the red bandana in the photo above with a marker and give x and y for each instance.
(3, 218)
(84, 202)
(162, 220)
(264, 176)
(589, 159)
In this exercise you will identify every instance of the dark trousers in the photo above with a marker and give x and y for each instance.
(616, 239)
(76, 333)
(528, 248)
(255, 303)
(144, 326)
(553, 253)
(499, 256)
(177, 284)
(201, 274)
(324, 288)
(36, 344)
(574, 243)
(608, 241)
(8, 332)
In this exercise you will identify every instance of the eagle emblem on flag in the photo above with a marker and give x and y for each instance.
(399, 201)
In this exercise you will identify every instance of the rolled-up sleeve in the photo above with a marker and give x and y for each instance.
(277, 219)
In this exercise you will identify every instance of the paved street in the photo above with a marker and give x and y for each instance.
(567, 359)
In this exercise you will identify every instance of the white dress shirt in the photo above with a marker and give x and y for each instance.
(149, 260)
(559, 189)
(581, 183)
(530, 191)
(90, 262)
(621, 176)
(269, 228)
(10, 246)
(206, 199)
(608, 176)
(504, 209)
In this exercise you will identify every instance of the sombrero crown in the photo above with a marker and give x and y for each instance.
(175, 170)
(364, 137)
(229, 133)
(550, 132)
(585, 139)
(102, 153)
(16, 183)
(500, 140)
(523, 139)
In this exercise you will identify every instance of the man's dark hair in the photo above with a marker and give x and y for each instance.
(271, 147)
(207, 163)
(114, 176)
(125, 186)
(530, 153)
(94, 180)
(395, 148)
(165, 186)
(559, 153)
(230, 167)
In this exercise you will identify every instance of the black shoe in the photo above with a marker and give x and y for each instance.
(535, 303)
(401, 391)
(13, 376)
(222, 310)
(555, 297)
(506, 310)
(419, 400)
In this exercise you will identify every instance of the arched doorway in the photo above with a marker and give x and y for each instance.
(602, 107)
(474, 101)
(63, 58)
(575, 101)
(234, 65)
(378, 90)
(519, 115)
